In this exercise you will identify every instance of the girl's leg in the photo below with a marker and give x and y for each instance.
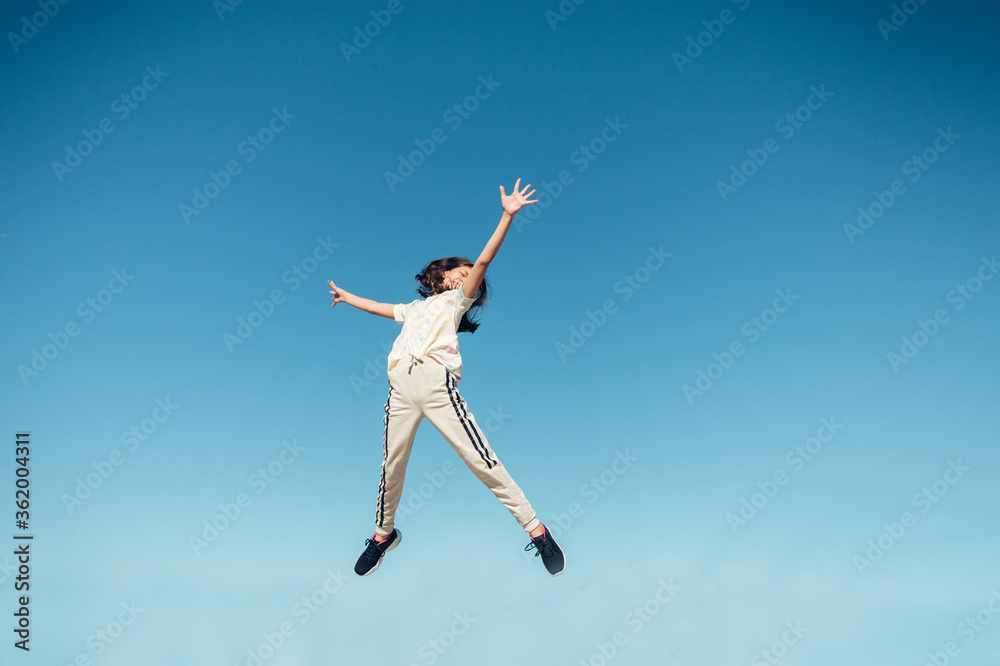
(401, 420)
(447, 411)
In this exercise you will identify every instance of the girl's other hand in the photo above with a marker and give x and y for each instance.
(339, 294)
(516, 199)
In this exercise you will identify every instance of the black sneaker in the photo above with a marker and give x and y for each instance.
(552, 555)
(375, 551)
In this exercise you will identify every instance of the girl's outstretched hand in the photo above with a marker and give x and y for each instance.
(516, 199)
(339, 295)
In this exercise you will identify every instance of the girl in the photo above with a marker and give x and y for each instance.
(424, 369)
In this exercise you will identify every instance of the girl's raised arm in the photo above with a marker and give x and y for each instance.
(511, 204)
(340, 295)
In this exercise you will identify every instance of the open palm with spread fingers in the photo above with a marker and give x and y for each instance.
(515, 200)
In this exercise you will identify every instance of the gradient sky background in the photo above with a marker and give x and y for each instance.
(565, 420)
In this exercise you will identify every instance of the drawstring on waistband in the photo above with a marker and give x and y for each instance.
(413, 361)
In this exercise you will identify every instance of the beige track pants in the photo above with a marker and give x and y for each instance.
(419, 387)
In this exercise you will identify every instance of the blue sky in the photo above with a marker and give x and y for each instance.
(779, 319)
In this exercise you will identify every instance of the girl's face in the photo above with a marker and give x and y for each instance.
(453, 279)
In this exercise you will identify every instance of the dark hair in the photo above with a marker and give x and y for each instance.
(431, 281)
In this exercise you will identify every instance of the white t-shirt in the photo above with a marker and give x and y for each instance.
(430, 328)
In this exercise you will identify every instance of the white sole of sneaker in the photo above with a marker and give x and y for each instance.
(399, 537)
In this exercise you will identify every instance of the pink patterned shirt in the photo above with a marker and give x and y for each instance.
(430, 328)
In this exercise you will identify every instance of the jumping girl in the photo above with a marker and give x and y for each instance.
(424, 368)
